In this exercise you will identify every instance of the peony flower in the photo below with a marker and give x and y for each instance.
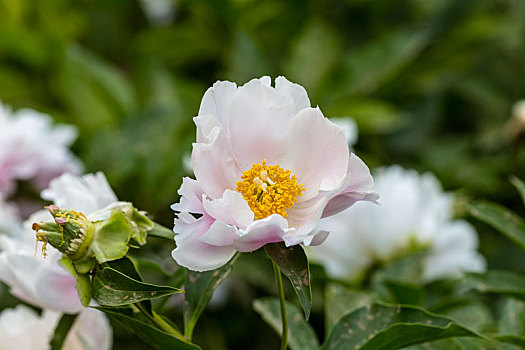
(23, 328)
(414, 213)
(43, 282)
(32, 148)
(267, 168)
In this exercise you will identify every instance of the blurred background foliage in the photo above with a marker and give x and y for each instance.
(431, 85)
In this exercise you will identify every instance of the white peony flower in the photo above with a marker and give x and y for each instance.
(267, 168)
(23, 328)
(32, 148)
(414, 213)
(43, 282)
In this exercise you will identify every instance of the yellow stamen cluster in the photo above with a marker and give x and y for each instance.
(269, 189)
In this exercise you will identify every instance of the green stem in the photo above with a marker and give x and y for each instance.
(284, 317)
(158, 321)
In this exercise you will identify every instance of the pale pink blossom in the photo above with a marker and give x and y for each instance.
(33, 148)
(268, 166)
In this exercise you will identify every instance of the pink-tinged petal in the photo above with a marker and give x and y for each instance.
(220, 234)
(304, 216)
(319, 238)
(359, 188)
(231, 209)
(257, 129)
(287, 91)
(310, 239)
(18, 272)
(187, 226)
(261, 232)
(216, 101)
(199, 256)
(91, 330)
(317, 153)
(191, 197)
(193, 253)
(56, 288)
(213, 164)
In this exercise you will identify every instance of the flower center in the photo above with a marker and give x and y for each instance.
(269, 189)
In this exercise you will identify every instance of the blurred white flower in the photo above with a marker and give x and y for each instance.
(414, 213)
(43, 282)
(32, 148)
(22, 328)
(159, 12)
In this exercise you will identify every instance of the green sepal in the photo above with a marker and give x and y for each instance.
(110, 241)
(85, 264)
(82, 281)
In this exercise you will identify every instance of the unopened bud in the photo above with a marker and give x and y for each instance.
(69, 233)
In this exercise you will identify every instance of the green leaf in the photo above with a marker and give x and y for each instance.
(199, 290)
(512, 319)
(158, 339)
(499, 282)
(501, 218)
(162, 232)
(62, 330)
(511, 327)
(340, 301)
(391, 327)
(520, 186)
(301, 336)
(113, 288)
(511, 339)
(294, 264)
(127, 267)
(96, 93)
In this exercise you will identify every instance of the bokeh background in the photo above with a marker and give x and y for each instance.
(430, 84)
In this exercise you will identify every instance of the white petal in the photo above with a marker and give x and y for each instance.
(90, 331)
(317, 153)
(199, 256)
(193, 253)
(359, 188)
(214, 166)
(216, 101)
(261, 232)
(207, 125)
(287, 90)
(22, 328)
(87, 193)
(231, 209)
(258, 130)
(190, 197)
(18, 272)
(220, 234)
(56, 289)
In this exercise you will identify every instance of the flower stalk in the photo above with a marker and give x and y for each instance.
(282, 301)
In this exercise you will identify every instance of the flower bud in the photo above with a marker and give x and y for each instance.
(102, 236)
(70, 233)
